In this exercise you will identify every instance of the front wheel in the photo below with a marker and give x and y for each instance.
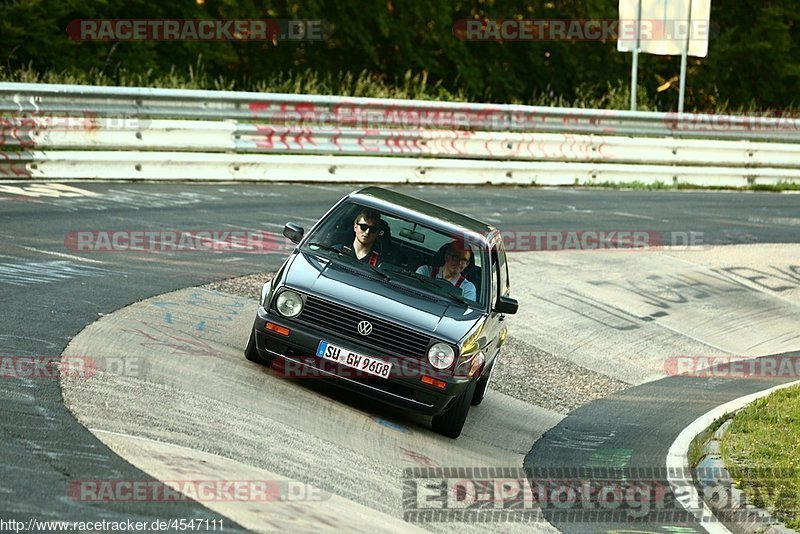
(251, 352)
(451, 422)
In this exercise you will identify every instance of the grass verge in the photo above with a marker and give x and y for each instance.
(409, 85)
(762, 452)
(697, 448)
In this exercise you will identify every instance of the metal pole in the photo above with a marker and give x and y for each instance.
(635, 64)
(684, 61)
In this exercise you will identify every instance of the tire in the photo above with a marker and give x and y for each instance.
(483, 385)
(451, 422)
(251, 352)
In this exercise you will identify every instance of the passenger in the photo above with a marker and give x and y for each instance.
(456, 258)
(367, 227)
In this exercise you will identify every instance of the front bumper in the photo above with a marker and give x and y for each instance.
(404, 389)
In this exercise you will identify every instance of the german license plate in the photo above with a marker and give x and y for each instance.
(342, 356)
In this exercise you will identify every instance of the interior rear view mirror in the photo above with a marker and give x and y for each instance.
(419, 237)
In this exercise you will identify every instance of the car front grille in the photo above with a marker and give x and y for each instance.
(343, 321)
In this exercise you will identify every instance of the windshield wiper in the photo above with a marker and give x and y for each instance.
(385, 277)
(341, 252)
(327, 247)
(430, 281)
(458, 298)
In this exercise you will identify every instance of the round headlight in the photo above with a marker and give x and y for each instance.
(289, 304)
(441, 355)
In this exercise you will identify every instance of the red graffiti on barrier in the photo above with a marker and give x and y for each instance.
(9, 168)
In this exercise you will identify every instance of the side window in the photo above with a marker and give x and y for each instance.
(339, 228)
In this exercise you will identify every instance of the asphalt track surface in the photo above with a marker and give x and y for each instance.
(50, 293)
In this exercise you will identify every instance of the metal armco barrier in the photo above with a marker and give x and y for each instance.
(86, 132)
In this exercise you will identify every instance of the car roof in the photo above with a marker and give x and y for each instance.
(420, 210)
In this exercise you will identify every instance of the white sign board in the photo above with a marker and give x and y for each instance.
(665, 26)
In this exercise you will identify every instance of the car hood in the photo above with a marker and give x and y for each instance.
(394, 301)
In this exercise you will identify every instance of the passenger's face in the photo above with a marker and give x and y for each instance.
(456, 261)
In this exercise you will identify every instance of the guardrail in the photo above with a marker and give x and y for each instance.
(87, 132)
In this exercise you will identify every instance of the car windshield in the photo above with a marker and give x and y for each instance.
(403, 251)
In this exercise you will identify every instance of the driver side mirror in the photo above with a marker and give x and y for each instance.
(506, 305)
(293, 232)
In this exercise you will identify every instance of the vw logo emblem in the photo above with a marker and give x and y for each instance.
(365, 328)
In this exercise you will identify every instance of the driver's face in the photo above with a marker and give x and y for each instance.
(367, 231)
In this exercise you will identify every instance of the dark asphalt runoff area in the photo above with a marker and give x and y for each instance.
(49, 292)
(617, 439)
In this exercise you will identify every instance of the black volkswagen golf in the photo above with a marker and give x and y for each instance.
(392, 296)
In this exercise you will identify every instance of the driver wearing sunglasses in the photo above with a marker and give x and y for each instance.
(367, 227)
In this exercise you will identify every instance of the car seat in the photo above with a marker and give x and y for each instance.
(384, 243)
